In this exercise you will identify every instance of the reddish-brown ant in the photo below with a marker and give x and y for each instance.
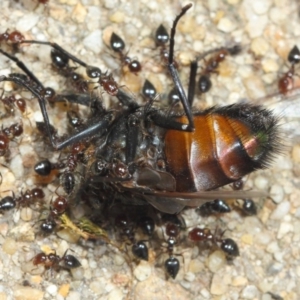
(7, 134)
(118, 46)
(11, 101)
(285, 83)
(52, 261)
(212, 65)
(13, 37)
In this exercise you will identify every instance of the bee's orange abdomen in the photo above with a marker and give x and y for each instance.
(222, 149)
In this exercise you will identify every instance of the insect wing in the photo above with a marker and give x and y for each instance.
(174, 202)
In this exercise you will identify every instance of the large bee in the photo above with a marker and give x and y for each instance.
(141, 154)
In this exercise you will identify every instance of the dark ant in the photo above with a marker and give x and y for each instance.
(25, 200)
(148, 90)
(74, 119)
(118, 46)
(126, 227)
(219, 206)
(172, 264)
(53, 261)
(228, 246)
(67, 177)
(7, 134)
(162, 38)
(44, 167)
(61, 63)
(286, 81)
(147, 225)
(57, 208)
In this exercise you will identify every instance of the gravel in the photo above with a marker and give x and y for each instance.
(269, 242)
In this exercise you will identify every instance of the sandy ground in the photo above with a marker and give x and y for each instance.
(268, 265)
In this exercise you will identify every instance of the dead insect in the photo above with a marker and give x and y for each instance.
(200, 151)
(142, 154)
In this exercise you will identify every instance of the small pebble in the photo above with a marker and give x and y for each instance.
(261, 7)
(284, 228)
(28, 293)
(116, 294)
(73, 295)
(189, 276)
(26, 214)
(79, 13)
(77, 273)
(261, 182)
(277, 193)
(93, 41)
(218, 285)
(142, 271)
(52, 289)
(296, 153)
(9, 246)
(249, 292)
(239, 281)
(270, 66)
(26, 22)
(64, 290)
(281, 210)
(117, 17)
(259, 46)
(226, 25)
(196, 266)
(216, 261)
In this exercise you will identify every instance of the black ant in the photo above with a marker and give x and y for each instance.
(52, 261)
(172, 264)
(44, 167)
(25, 200)
(126, 227)
(118, 45)
(286, 81)
(162, 38)
(57, 208)
(227, 245)
(61, 63)
(220, 206)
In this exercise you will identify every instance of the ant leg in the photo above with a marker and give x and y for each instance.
(23, 67)
(58, 48)
(82, 99)
(192, 82)
(98, 127)
(175, 76)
